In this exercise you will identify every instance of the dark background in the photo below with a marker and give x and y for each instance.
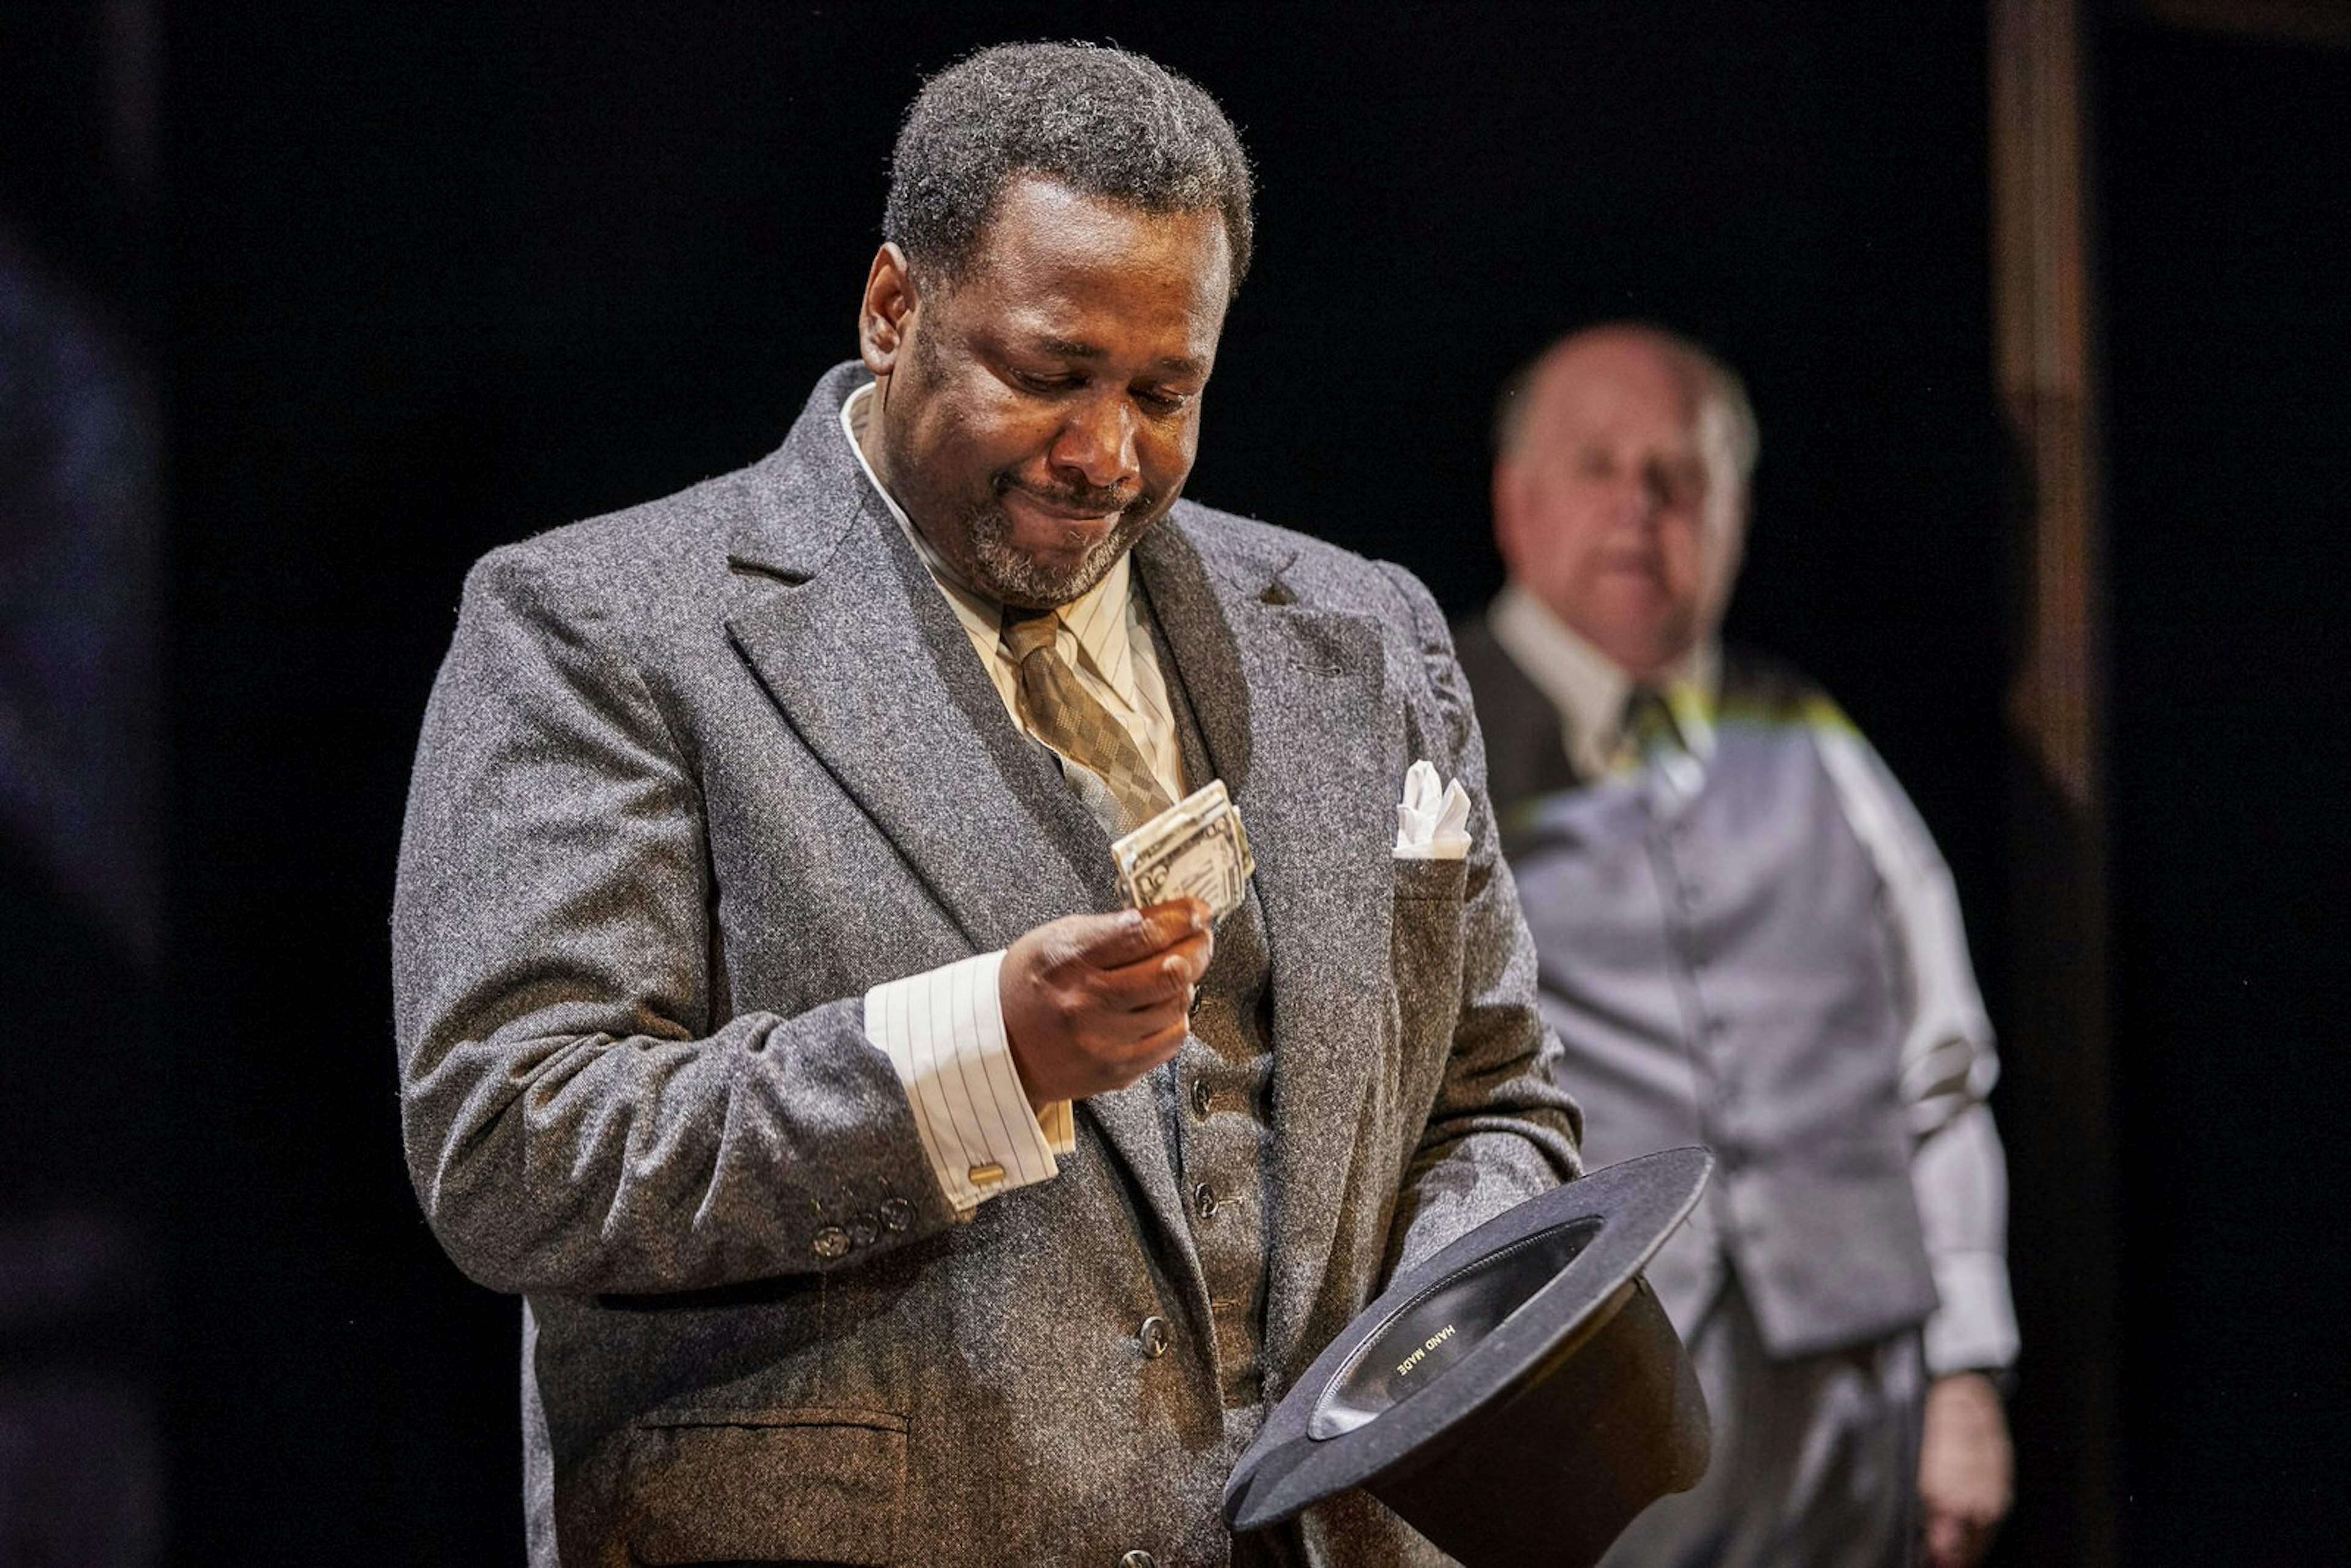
(418, 279)
(2228, 272)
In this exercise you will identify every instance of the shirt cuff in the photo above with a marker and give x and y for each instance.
(1975, 1327)
(944, 1032)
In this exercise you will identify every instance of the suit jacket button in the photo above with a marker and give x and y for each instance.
(832, 1242)
(897, 1214)
(1138, 1560)
(1152, 1335)
(861, 1232)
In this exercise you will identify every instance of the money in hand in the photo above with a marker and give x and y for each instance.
(1197, 848)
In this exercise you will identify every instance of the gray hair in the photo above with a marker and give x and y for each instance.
(1717, 382)
(1100, 121)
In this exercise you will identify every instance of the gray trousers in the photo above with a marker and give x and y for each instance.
(1815, 1458)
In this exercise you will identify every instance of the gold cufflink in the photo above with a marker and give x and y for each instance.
(985, 1176)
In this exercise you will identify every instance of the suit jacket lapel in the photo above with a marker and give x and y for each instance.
(858, 647)
(861, 652)
(1289, 701)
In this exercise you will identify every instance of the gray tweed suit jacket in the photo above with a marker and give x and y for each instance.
(696, 775)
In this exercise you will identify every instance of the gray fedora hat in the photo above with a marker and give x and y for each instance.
(1518, 1397)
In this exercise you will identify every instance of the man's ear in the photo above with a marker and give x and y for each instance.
(1509, 482)
(886, 314)
(1730, 553)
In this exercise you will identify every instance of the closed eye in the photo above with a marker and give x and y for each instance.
(1162, 400)
(1044, 384)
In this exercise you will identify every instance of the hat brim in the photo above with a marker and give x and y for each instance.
(1465, 1333)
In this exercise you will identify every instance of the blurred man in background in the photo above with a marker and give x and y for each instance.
(1747, 940)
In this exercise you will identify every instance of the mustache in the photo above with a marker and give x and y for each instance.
(1097, 498)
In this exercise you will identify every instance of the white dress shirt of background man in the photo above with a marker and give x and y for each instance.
(1747, 939)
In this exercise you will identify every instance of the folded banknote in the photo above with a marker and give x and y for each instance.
(1195, 847)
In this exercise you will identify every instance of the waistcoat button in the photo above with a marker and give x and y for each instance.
(1138, 1560)
(1152, 1335)
(1204, 1099)
(1204, 1200)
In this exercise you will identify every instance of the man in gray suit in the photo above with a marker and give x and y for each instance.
(1748, 941)
(878, 1190)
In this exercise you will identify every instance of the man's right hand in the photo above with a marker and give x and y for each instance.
(1093, 1002)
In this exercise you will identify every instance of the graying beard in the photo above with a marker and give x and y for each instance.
(1018, 580)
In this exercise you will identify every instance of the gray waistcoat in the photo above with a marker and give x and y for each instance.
(1717, 968)
(1217, 1089)
(1214, 1095)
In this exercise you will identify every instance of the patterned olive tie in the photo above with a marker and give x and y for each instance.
(1067, 718)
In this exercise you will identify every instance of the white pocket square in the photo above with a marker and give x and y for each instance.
(1433, 818)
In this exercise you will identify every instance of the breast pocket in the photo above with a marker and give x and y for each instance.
(768, 1485)
(1426, 957)
(1430, 881)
